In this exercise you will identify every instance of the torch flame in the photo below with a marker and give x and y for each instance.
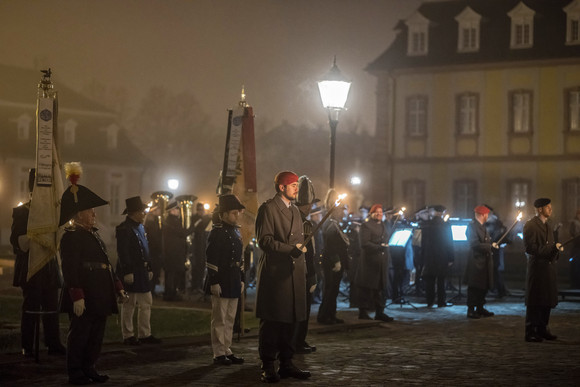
(520, 214)
(339, 199)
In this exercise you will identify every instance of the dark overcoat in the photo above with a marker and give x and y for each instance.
(134, 257)
(374, 260)
(479, 270)
(46, 278)
(281, 279)
(88, 273)
(542, 272)
(174, 243)
(436, 247)
(224, 259)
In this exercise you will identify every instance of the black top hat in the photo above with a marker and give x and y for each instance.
(230, 202)
(72, 203)
(134, 204)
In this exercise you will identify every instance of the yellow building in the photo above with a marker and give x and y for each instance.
(479, 102)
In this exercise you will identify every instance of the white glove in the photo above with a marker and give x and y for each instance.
(559, 247)
(129, 278)
(122, 297)
(336, 267)
(301, 247)
(79, 307)
(312, 288)
(215, 290)
(495, 245)
(150, 275)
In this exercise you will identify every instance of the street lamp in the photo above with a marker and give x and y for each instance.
(333, 89)
(173, 184)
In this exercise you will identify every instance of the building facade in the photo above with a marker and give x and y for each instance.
(87, 132)
(478, 101)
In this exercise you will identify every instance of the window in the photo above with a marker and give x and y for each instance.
(571, 190)
(418, 34)
(572, 105)
(522, 26)
(70, 132)
(112, 135)
(115, 194)
(23, 125)
(519, 192)
(573, 22)
(417, 116)
(464, 197)
(467, 113)
(468, 30)
(414, 193)
(521, 111)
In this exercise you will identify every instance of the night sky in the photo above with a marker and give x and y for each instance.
(276, 48)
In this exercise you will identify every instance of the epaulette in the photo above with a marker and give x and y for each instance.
(218, 225)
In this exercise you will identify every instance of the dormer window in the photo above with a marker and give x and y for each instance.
(418, 35)
(522, 26)
(70, 128)
(573, 22)
(23, 126)
(468, 30)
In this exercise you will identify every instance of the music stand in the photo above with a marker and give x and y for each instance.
(459, 233)
(398, 244)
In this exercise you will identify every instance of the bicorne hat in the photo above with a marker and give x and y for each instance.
(229, 202)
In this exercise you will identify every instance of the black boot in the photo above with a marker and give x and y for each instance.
(471, 313)
(363, 315)
(269, 374)
(382, 316)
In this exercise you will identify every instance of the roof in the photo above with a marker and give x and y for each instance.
(549, 35)
(18, 89)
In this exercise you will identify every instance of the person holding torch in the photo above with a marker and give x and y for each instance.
(281, 279)
(542, 273)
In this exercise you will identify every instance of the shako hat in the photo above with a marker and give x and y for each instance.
(76, 198)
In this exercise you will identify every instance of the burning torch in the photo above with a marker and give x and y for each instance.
(336, 204)
(495, 245)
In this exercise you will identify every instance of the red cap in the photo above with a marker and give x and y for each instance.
(285, 178)
(481, 210)
(375, 208)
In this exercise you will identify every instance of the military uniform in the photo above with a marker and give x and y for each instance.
(87, 275)
(335, 250)
(40, 292)
(134, 258)
(479, 271)
(225, 267)
(541, 276)
(437, 253)
(281, 280)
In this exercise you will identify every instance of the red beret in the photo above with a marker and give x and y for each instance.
(481, 210)
(285, 178)
(375, 208)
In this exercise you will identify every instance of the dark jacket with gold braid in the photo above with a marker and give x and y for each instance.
(88, 273)
(224, 259)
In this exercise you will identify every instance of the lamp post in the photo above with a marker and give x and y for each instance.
(333, 88)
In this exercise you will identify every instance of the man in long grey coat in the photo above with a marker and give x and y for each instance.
(541, 278)
(281, 279)
(479, 271)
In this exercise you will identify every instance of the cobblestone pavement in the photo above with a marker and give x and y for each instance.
(421, 347)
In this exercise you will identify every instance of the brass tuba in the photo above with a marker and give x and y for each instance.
(185, 203)
(161, 200)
